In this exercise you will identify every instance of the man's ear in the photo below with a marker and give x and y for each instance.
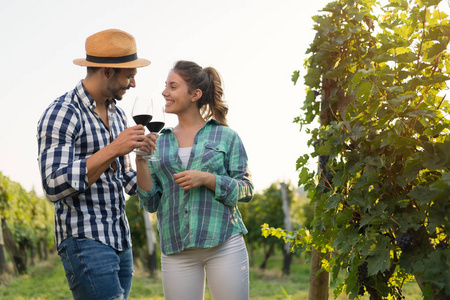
(197, 94)
(107, 72)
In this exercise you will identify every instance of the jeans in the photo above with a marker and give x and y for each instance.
(96, 271)
(225, 266)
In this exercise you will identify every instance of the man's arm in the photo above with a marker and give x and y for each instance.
(127, 141)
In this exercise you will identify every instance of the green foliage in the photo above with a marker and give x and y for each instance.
(136, 221)
(382, 185)
(29, 217)
(261, 210)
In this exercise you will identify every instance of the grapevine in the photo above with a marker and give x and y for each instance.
(377, 84)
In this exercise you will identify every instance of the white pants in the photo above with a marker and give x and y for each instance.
(226, 267)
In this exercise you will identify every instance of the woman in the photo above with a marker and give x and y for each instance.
(195, 188)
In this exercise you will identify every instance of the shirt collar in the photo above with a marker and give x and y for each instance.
(210, 121)
(84, 95)
(87, 99)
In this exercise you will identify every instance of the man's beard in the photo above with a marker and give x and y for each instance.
(116, 90)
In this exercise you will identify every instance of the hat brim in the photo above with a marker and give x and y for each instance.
(138, 63)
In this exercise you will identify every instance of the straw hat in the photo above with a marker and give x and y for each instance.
(111, 48)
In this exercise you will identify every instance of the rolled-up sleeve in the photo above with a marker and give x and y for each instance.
(130, 182)
(62, 175)
(150, 200)
(237, 185)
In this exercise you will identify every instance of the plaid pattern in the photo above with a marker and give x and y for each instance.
(199, 217)
(68, 132)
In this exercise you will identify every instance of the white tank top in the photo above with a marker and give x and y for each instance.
(184, 154)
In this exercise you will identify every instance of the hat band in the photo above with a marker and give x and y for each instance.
(109, 60)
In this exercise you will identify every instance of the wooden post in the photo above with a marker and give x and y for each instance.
(18, 261)
(319, 285)
(3, 262)
(151, 242)
(288, 225)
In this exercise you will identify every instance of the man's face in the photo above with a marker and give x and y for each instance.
(120, 82)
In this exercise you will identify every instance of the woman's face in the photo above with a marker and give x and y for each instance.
(176, 94)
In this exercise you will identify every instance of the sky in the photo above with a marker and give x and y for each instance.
(255, 45)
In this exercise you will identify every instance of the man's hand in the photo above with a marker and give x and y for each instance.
(129, 139)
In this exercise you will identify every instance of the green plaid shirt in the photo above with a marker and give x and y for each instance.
(199, 217)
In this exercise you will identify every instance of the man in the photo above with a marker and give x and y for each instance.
(84, 143)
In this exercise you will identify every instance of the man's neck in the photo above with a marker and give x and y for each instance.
(93, 87)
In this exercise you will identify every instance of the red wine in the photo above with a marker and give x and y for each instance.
(142, 119)
(155, 126)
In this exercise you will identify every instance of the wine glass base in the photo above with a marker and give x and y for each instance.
(152, 158)
(139, 152)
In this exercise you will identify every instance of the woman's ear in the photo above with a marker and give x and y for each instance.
(197, 94)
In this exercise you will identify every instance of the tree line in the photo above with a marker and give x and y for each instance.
(26, 227)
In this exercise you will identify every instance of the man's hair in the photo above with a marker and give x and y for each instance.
(93, 70)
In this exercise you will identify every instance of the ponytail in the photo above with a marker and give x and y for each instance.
(209, 81)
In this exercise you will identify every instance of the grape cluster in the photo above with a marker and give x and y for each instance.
(323, 160)
(405, 241)
(362, 277)
(362, 290)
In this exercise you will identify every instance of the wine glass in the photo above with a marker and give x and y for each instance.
(156, 125)
(142, 113)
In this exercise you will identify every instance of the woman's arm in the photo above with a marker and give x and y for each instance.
(148, 192)
(144, 177)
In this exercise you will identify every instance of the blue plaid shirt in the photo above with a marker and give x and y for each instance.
(68, 133)
(199, 217)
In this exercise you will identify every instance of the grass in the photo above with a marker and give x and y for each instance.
(46, 280)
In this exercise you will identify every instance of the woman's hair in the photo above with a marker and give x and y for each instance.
(208, 80)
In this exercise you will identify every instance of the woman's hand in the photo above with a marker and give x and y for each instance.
(148, 144)
(192, 179)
